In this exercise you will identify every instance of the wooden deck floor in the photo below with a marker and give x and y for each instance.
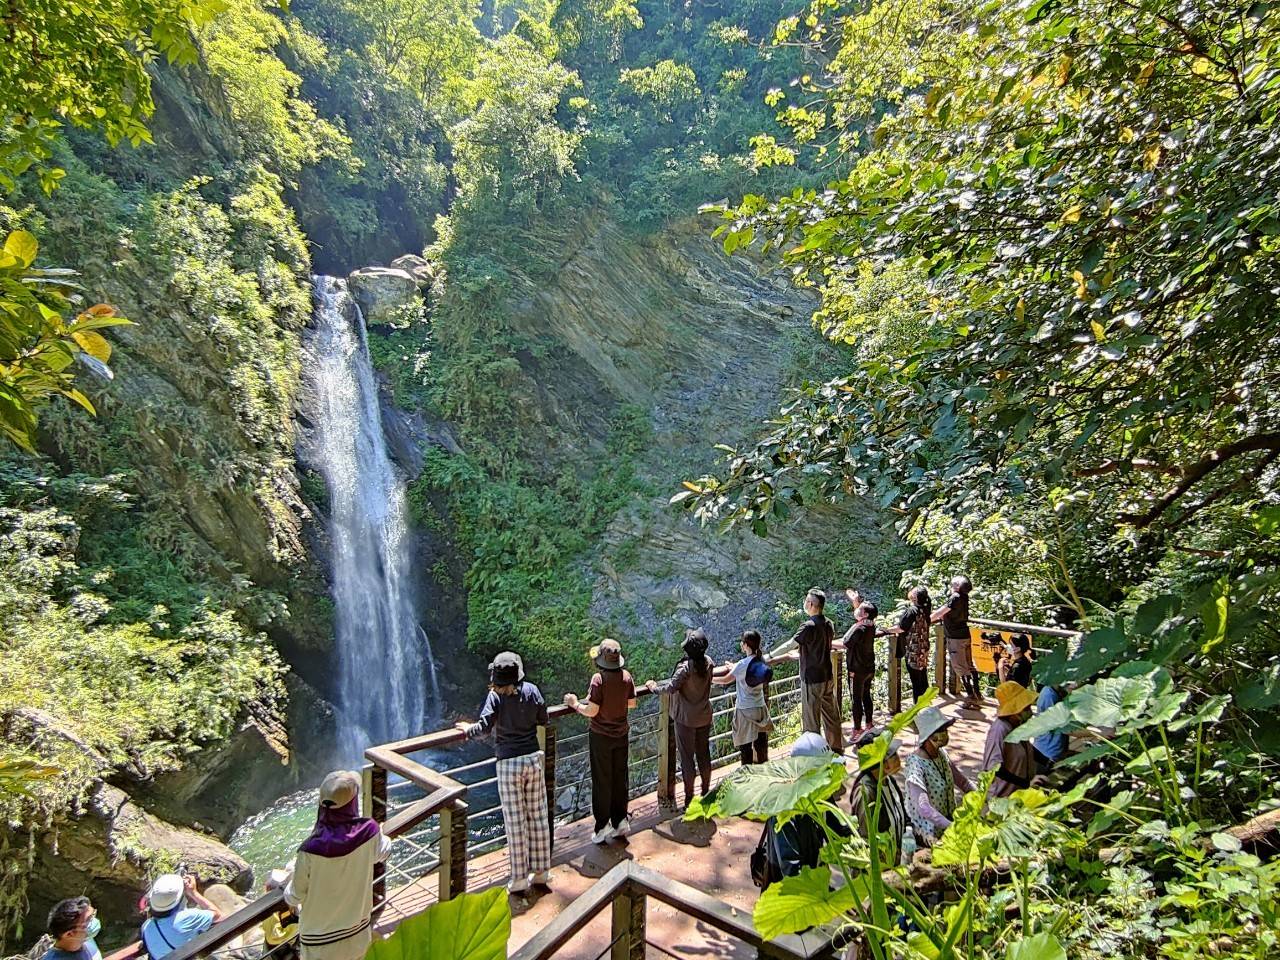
(713, 857)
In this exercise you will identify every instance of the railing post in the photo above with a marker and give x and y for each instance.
(547, 737)
(628, 925)
(375, 806)
(940, 662)
(666, 733)
(453, 850)
(837, 674)
(895, 679)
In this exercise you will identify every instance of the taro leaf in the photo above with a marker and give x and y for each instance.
(1261, 694)
(1153, 757)
(1210, 711)
(1054, 720)
(800, 902)
(1097, 651)
(1214, 616)
(1043, 946)
(1153, 613)
(471, 926)
(763, 790)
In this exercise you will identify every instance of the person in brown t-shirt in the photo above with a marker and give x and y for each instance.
(612, 693)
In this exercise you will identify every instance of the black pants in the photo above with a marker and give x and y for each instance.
(919, 681)
(609, 787)
(860, 697)
(694, 746)
(757, 752)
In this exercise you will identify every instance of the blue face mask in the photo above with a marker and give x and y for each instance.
(93, 928)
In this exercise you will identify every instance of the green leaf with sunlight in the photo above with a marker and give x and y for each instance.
(1042, 946)
(472, 926)
(763, 790)
(800, 902)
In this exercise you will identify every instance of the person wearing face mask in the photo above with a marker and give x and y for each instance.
(1014, 763)
(934, 780)
(74, 927)
(1016, 664)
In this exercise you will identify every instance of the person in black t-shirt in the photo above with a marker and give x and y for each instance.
(819, 712)
(859, 645)
(955, 628)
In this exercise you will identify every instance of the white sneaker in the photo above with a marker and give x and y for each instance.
(542, 877)
(623, 828)
(603, 835)
(521, 887)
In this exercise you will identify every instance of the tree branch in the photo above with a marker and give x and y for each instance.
(1198, 471)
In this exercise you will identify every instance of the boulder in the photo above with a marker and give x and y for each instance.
(113, 849)
(417, 267)
(387, 296)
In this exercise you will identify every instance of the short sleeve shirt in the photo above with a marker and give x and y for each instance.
(915, 628)
(88, 951)
(814, 641)
(955, 622)
(860, 648)
(163, 935)
(610, 690)
(749, 697)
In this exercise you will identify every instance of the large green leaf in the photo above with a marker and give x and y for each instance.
(763, 790)
(1043, 946)
(800, 902)
(1137, 695)
(472, 926)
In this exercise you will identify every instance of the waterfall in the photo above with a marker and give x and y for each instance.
(384, 660)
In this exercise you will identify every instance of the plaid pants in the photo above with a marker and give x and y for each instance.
(522, 791)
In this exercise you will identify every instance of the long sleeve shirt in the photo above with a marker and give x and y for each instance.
(334, 900)
(514, 720)
(1014, 763)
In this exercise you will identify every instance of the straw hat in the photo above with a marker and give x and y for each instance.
(1012, 698)
(608, 656)
(929, 721)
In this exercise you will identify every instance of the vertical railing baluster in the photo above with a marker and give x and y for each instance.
(628, 925)
(940, 661)
(375, 802)
(666, 734)
(547, 737)
(453, 850)
(837, 674)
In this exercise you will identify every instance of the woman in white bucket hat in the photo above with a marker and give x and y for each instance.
(934, 781)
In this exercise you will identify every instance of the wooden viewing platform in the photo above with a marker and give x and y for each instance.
(712, 857)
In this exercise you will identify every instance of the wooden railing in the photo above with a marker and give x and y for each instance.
(446, 847)
(627, 889)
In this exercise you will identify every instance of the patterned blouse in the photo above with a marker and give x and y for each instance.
(931, 781)
(915, 627)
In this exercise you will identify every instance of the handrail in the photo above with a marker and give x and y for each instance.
(1025, 628)
(628, 885)
(250, 915)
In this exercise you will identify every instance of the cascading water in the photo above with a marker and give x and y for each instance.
(385, 667)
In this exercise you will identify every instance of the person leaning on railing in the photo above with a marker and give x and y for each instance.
(513, 710)
(859, 646)
(611, 695)
(913, 627)
(751, 721)
(690, 686)
(819, 712)
(954, 616)
(332, 882)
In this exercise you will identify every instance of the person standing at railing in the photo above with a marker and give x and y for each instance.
(819, 712)
(954, 617)
(513, 710)
(690, 686)
(913, 627)
(611, 695)
(332, 883)
(751, 721)
(859, 646)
